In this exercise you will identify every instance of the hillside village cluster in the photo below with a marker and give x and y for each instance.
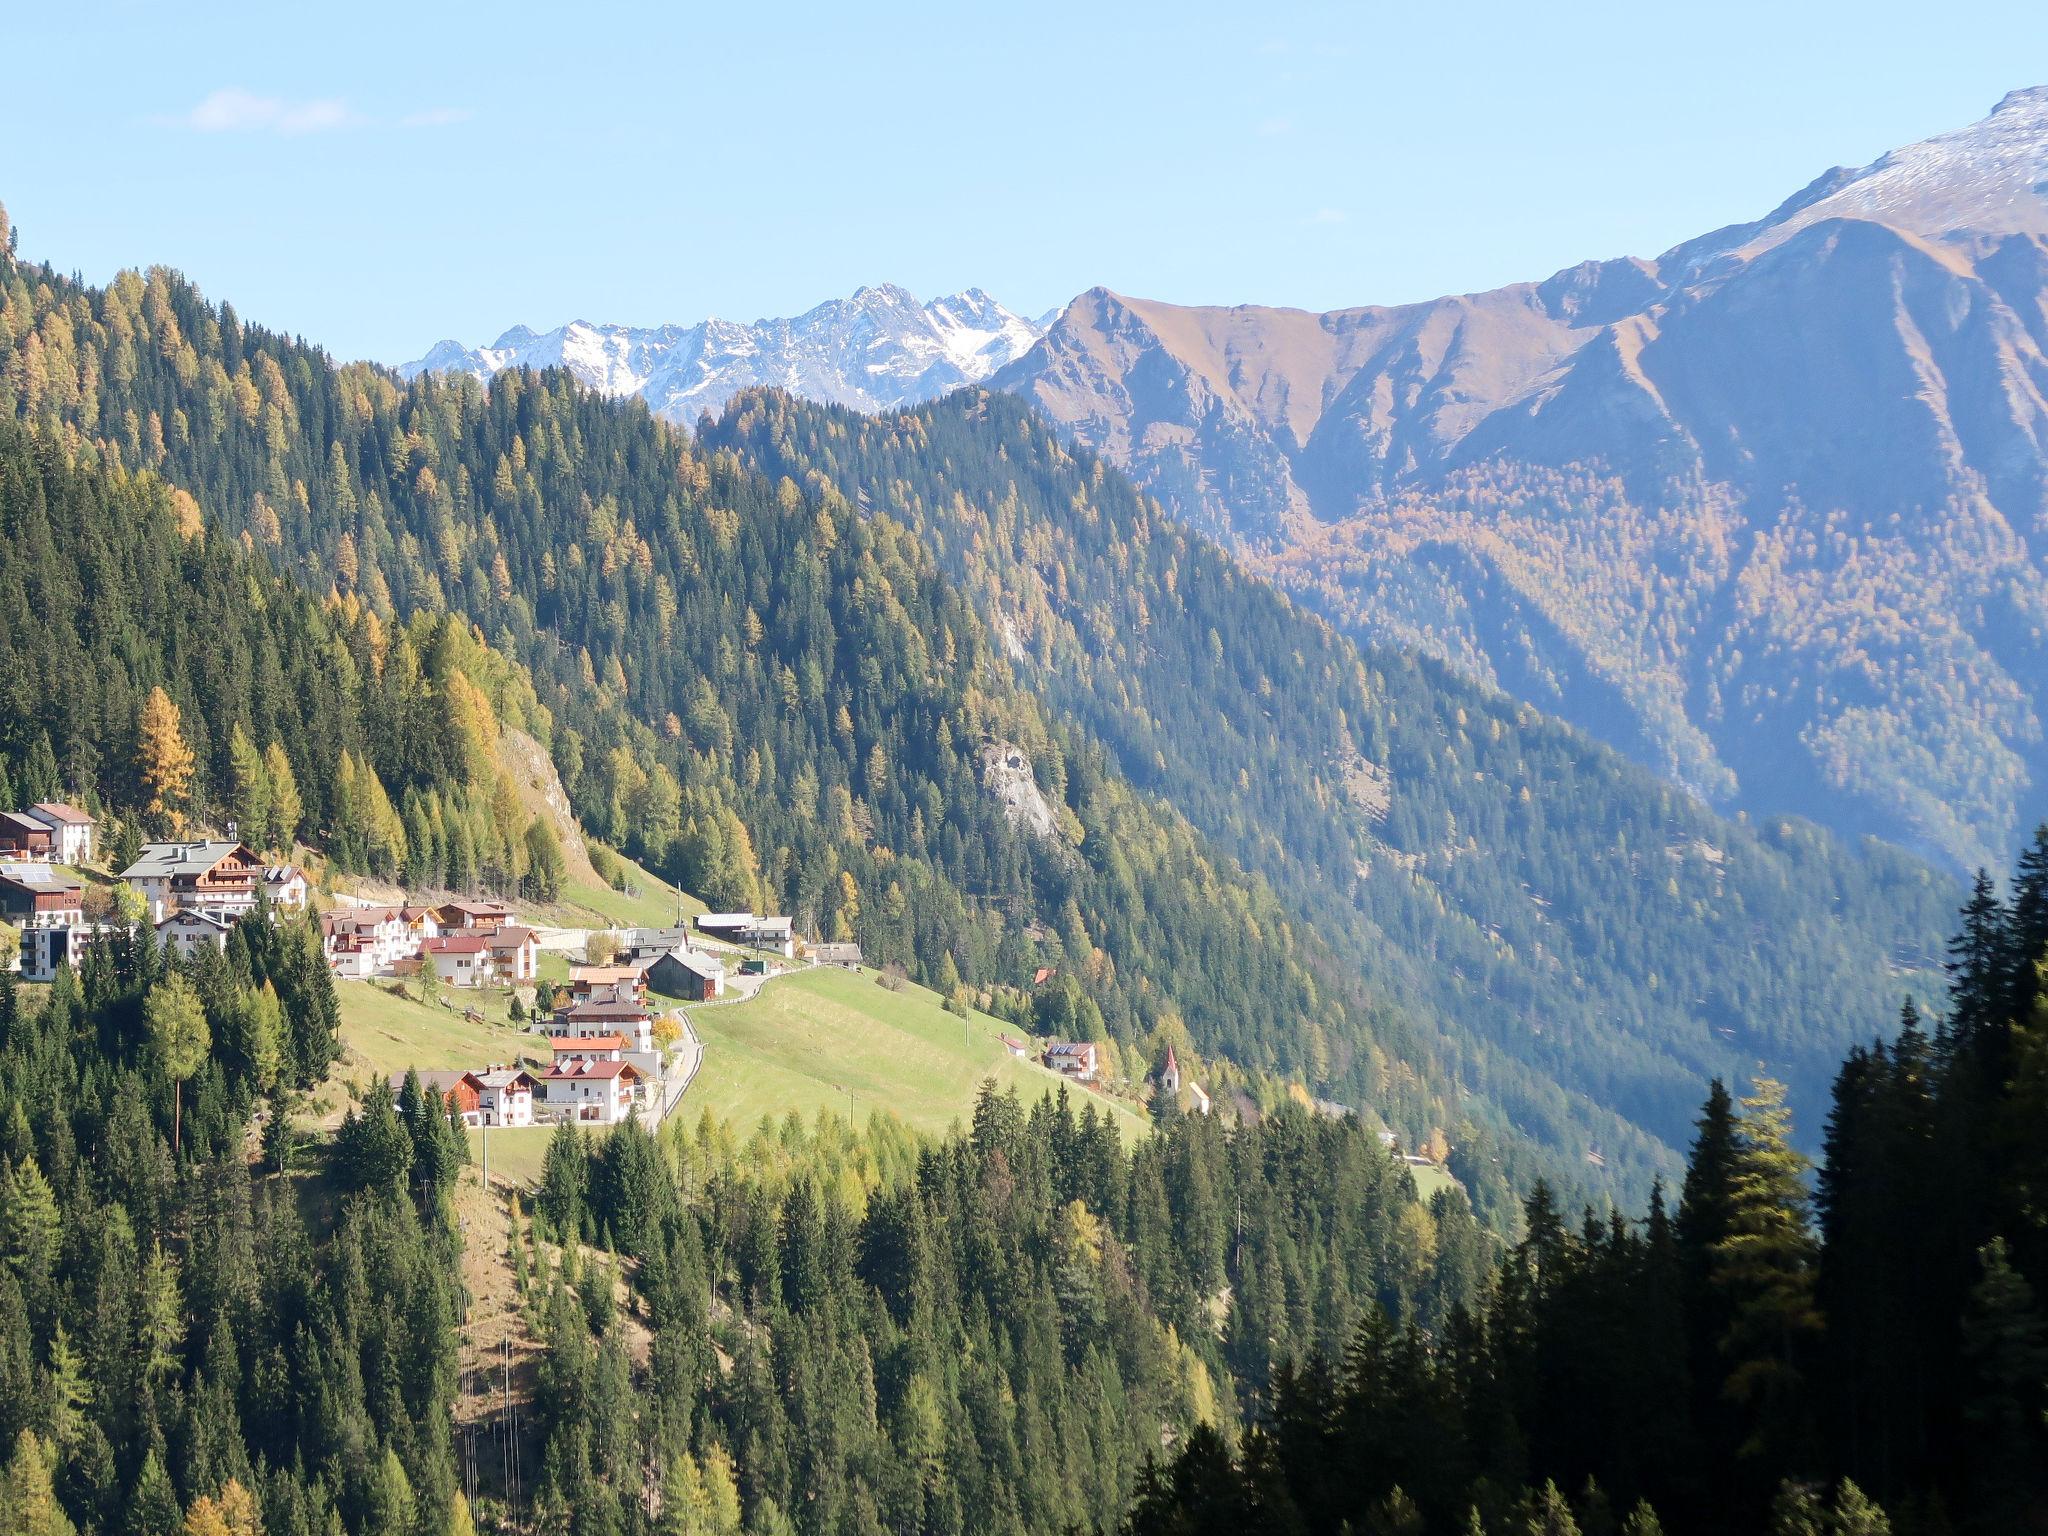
(607, 1060)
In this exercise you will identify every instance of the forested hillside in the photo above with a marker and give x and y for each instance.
(1345, 869)
(772, 700)
(1763, 511)
(1587, 935)
(1734, 1365)
(177, 1338)
(996, 1333)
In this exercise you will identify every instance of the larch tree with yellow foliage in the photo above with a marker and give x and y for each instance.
(162, 760)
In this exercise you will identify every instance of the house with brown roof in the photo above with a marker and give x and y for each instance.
(461, 1092)
(580, 1088)
(24, 837)
(367, 941)
(36, 896)
(464, 914)
(514, 953)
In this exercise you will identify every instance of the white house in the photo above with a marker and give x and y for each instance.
(367, 941)
(1071, 1058)
(70, 830)
(514, 952)
(185, 933)
(775, 933)
(606, 1015)
(459, 959)
(583, 1089)
(505, 1096)
(44, 949)
(588, 1047)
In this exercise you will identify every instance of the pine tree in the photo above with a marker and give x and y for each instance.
(178, 1032)
(1764, 1265)
(28, 1501)
(250, 787)
(287, 808)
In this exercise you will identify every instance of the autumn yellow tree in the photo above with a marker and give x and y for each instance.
(162, 759)
(233, 1512)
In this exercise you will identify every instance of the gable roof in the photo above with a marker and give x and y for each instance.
(569, 1045)
(441, 1082)
(505, 1077)
(707, 966)
(454, 944)
(185, 915)
(169, 860)
(21, 821)
(512, 936)
(58, 811)
(584, 1069)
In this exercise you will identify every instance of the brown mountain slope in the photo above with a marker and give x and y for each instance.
(1770, 512)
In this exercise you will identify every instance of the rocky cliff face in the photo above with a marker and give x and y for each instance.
(1770, 511)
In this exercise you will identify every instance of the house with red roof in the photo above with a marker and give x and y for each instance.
(459, 959)
(70, 830)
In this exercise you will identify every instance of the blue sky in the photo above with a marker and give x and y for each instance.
(378, 176)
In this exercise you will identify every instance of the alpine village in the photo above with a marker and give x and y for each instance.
(893, 924)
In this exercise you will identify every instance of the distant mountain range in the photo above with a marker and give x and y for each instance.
(1770, 511)
(879, 349)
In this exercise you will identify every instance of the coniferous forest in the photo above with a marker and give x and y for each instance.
(242, 583)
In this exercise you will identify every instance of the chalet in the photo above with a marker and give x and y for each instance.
(460, 915)
(184, 934)
(35, 896)
(1015, 1047)
(646, 943)
(689, 974)
(505, 1096)
(626, 1017)
(745, 928)
(22, 836)
(579, 1088)
(609, 982)
(44, 949)
(70, 829)
(461, 1092)
(221, 878)
(366, 941)
(847, 955)
(514, 954)
(1071, 1058)
(459, 959)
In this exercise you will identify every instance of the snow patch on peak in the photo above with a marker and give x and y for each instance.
(878, 349)
(1988, 178)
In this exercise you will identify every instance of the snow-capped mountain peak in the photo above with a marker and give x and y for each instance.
(1988, 179)
(876, 349)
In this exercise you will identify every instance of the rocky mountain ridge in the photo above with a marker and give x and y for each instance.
(1769, 511)
(875, 350)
